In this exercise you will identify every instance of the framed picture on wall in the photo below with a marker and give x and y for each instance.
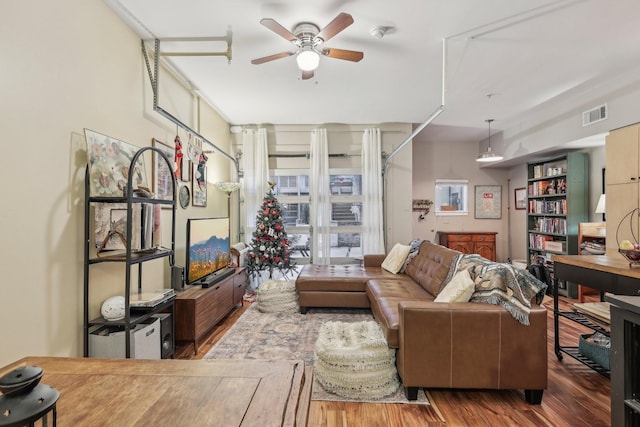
(162, 173)
(185, 170)
(520, 197)
(109, 163)
(488, 201)
(199, 184)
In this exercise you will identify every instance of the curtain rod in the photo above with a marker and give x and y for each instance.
(308, 155)
(328, 130)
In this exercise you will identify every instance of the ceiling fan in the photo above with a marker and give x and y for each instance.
(308, 38)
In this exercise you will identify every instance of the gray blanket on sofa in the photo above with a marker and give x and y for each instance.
(502, 284)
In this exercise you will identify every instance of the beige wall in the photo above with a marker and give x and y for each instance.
(78, 67)
(436, 160)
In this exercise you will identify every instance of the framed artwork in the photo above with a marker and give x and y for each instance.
(488, 201)
(163, 175)
(199, 184)
(520, 197)
(111, 226)
(185, 169)
(109, 160)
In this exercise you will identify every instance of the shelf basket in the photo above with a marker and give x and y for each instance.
(630, 225)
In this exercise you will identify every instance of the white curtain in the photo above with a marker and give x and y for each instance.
(372, 220)
(319, 194)
(255, 158)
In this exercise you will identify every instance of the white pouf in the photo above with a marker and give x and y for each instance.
(277, 296)
(354, 360)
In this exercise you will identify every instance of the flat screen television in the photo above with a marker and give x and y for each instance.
(207, 249)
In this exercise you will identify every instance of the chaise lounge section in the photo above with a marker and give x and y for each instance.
(458, 345)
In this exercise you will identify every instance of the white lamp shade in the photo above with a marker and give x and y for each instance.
(489, 156)
(600, 208)
(227, 187)
(308, 60)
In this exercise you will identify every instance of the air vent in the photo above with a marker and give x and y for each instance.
(594, 115)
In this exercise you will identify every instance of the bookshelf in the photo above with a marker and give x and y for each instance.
(557, 201)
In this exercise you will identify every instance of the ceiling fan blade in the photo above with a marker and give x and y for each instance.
(349, 55)
(278, 29)
(306, 75)
(339, 23)
(271, 57)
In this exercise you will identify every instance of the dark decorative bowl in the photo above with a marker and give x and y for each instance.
(632, 255)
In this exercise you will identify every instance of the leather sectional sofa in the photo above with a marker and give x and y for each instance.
(462, 345)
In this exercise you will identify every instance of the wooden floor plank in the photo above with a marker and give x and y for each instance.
(576, 395)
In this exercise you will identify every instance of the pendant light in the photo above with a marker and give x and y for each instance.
(489, 156)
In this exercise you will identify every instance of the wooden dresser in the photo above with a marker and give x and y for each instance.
(470, 242)
(198, 309)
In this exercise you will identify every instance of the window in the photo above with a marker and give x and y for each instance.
(292, 191)
(451, 197)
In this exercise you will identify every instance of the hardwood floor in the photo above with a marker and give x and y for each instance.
(576, 395)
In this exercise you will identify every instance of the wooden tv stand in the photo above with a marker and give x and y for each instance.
(198, 309)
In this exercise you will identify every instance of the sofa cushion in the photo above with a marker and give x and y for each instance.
(430, 267)
(459, 289)
(394, 261)
(385, 295)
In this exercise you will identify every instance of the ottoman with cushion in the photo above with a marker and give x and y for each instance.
(277, 296)
(336, 285)
(353, 360)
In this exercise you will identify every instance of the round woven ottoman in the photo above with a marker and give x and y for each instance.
(277, 296)
(353, 360)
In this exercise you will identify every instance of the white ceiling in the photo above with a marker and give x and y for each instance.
(522, 52)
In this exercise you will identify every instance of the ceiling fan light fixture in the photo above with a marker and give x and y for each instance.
(308, 59)
(489, 156)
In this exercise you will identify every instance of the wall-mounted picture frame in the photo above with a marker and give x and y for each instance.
(199, 185)
(520, 198)
(488, 201)
(109, 162)
(185, 169)
(163, 175)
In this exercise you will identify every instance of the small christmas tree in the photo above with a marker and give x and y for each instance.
(270, 245)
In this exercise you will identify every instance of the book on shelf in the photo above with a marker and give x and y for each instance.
(549, 169)
(548, 207)
(548, 187)
(551, 225)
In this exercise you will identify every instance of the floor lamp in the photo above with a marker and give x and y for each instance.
(229, 187)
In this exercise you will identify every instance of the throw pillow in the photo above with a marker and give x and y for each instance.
(394, 261)
(459, 289)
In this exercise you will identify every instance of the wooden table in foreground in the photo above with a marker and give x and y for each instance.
(129, 392)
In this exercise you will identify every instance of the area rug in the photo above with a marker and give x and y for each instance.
(257, 335)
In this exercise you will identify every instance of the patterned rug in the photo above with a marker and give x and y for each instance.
(257, 335)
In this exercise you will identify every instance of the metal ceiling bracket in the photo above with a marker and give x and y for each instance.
(227, 39)
(154, 76)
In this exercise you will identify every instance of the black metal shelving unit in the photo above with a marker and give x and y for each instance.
(582, 319)
(130, 259)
